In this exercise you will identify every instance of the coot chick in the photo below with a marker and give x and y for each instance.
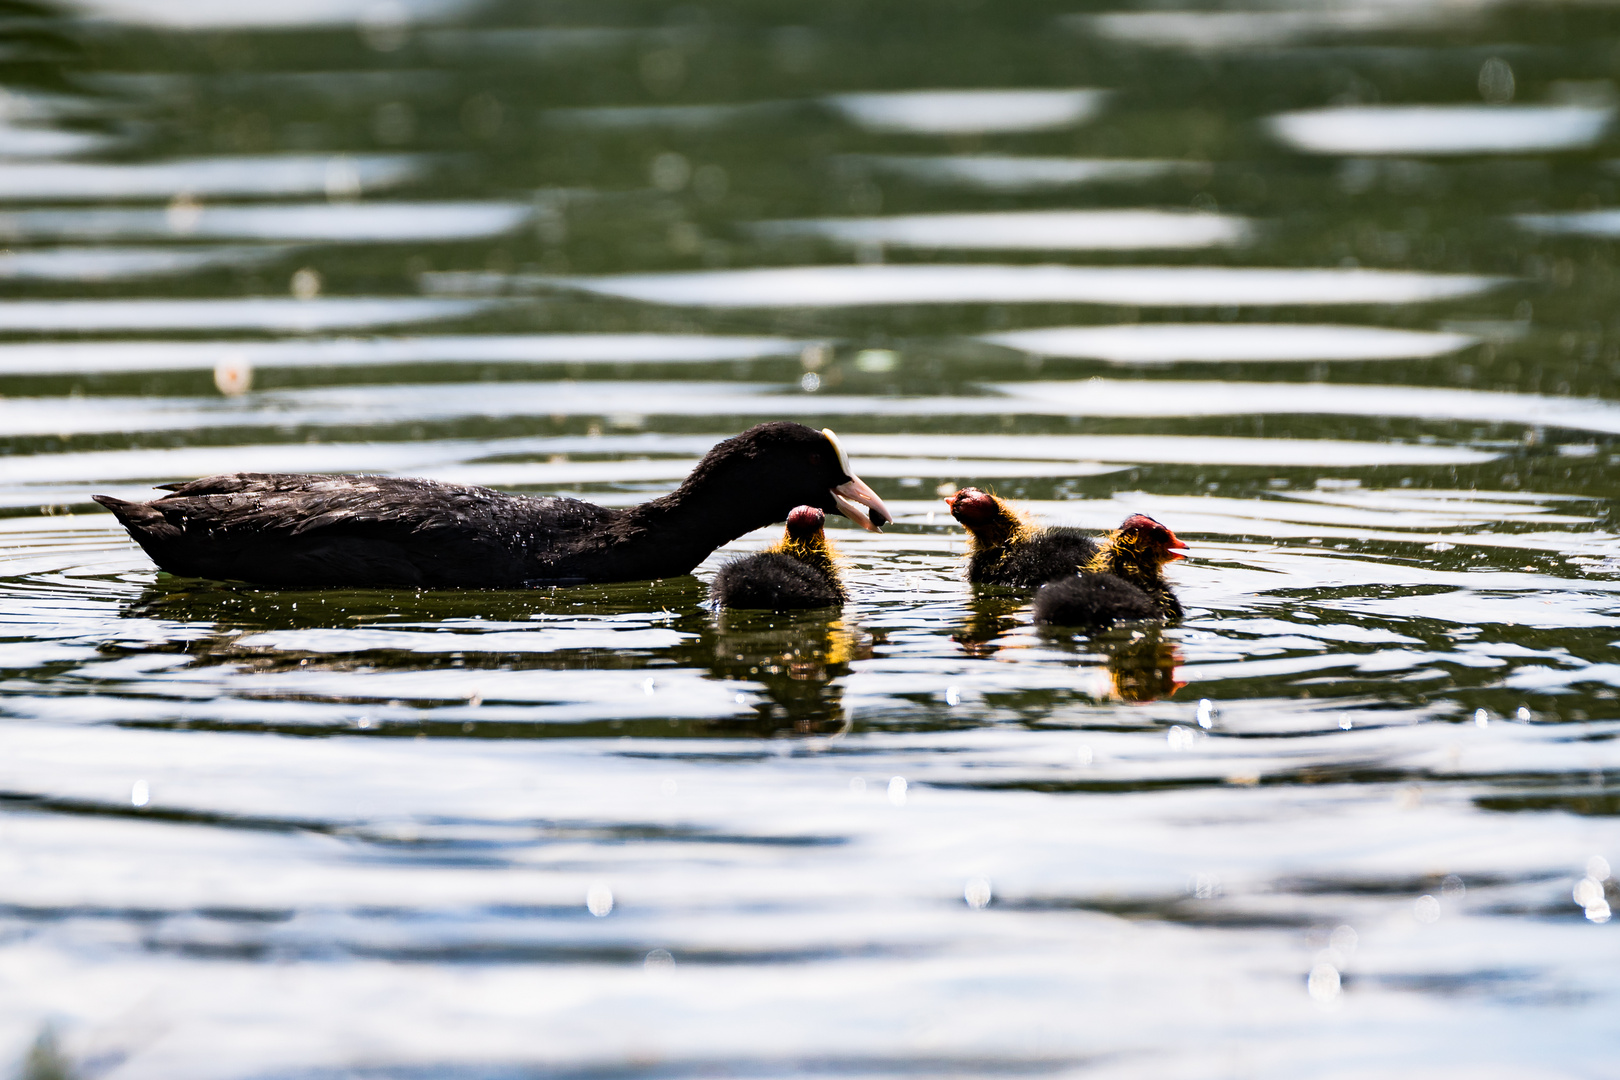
(1123, 583)
(800, 572)
(1009, 549)
(341, 531)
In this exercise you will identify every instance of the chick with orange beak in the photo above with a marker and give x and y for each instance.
(1124, 582)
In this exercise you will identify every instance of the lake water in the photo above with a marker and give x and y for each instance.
(1328, 288)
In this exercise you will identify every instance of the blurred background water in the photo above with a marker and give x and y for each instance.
(1326, 287)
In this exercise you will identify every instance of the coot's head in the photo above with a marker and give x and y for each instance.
(777, 466)
(1145, 541)
(991, 521)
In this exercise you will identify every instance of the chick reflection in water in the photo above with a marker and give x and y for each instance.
(1141, 664)
(797, 660)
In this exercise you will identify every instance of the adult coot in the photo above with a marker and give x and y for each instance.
(329, 531)
(1008, 549)
(1123, 583)
(800, 572)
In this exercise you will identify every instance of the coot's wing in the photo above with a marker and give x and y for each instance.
(303, 529)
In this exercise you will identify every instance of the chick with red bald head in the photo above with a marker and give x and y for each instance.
(1083, 583)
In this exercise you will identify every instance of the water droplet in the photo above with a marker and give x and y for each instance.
(977, 893)
(1426, 909)
(306, 283)
(1453, 888)
(599, 900)
(1323, 983)
(670, 171)
(897, 790)
(877, 361)
(857, 785)
(953, 696)
(1180, 738)
(1481, 718)
(1496, 81)
(659, 962)
(648, 687)
(233, 375)
(1523, 715)
(1345, 723)
(139, 793)
(810, 382)
(1597, 868)
(1344, 940)
(1206, 713)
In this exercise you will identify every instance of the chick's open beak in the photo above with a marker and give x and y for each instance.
(861, 505)
(1176, 542)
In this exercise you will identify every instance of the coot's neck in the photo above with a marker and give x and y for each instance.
(669, 536)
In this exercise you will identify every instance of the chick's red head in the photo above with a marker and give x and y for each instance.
(971, 507)
(805, 522)
(1148, 536)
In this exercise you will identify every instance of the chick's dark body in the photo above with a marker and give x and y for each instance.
(1044, 555)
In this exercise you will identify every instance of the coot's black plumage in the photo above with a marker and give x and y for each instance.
(1008, 549)
(1123, 583)
(333, 531)
(800, 572)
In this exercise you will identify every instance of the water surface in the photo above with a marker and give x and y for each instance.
(1327, 289)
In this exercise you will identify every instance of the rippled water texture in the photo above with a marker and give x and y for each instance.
(1328, 288)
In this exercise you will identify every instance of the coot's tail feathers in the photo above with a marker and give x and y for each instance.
(1093, 602)
(238, 483)
(137, 517)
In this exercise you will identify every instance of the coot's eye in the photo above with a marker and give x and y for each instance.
(815, 459)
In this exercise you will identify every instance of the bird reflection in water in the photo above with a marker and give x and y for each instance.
(1140, 662)
(797, 659)
(991, 615)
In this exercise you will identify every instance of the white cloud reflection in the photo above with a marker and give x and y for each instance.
(1601, 223)
(1168, 343)
(48, 357)
(1143, 286)
(1232, 31)
(38, 142)
(1442, 129)
(1006, 173)
(213, 14)
(346, 406)
(266, 175)
(120, 263)
(967, 112)
(375, 222)
(247, 313)
(1027, 230)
